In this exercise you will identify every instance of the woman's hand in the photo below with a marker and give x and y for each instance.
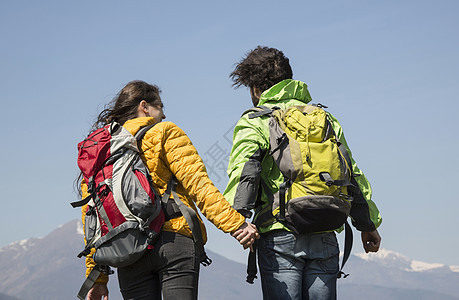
(98, 291)
(246, 235)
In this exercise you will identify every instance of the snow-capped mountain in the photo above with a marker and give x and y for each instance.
(47, 268)
(397, 260)
(393, 270)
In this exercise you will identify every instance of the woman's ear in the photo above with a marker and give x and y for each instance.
(142, 109)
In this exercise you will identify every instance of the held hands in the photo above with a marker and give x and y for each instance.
(246, 235)
(371, 241)
(98, 291)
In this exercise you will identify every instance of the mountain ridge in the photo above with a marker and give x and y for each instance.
(42, 268)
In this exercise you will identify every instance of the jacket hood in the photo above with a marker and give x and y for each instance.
(134, 125)
(286, 90)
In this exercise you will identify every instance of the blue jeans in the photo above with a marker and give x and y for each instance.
(172, 268)
(298, 267)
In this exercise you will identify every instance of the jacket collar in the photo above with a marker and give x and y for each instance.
(286, 90)
(134, 125)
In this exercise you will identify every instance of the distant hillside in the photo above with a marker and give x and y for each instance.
(48, 269)
(6, 297)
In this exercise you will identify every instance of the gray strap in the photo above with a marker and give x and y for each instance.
(259, 111)
(101, 210)
(112, 233)
(191, 218)
(89, 282)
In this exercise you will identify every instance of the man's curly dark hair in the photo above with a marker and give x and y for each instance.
(263, 67)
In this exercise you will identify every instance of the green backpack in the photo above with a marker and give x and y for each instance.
(317, 172)
(316, 169)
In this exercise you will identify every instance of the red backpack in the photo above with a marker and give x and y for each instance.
(124, 215)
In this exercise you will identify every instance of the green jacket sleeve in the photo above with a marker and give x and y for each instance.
(244, 168)
(364, 213)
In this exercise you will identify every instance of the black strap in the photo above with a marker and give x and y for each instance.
(348, 240)
(85, 251)
(252, 264)
(284, 186)
(81, 202)
(90, 185)
(326, 177)
(280, 143)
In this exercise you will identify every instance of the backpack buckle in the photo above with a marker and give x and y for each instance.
(325, 176)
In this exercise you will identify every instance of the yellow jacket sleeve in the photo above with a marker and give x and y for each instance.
(185, 163)
(90, 263)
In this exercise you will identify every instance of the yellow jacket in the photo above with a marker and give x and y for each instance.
(168, 151)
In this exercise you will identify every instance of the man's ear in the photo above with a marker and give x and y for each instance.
(255, 93)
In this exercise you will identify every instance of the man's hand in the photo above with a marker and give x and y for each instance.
(371, 241)
(246, 235)
(98, 291)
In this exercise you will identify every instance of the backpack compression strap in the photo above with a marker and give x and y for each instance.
(81, 202)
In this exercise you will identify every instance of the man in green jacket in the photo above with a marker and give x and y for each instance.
(292, 266)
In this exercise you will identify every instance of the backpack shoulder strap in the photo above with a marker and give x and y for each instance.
(259, 111)
(141, 133)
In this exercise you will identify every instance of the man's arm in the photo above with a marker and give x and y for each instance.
(364, 213)
(244, 166)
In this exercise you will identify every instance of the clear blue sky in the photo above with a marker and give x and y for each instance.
(388, 70)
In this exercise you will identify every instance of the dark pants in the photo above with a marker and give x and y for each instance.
(172, 268)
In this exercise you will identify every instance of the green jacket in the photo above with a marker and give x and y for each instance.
(249, 163)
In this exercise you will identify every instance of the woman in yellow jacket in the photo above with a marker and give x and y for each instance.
(172, 266)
